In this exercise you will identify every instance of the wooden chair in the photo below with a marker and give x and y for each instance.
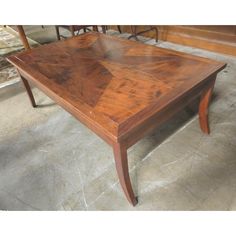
(73, 29)
(135, 33)
(105, 28)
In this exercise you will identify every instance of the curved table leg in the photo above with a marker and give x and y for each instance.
(29, 91)
(203, 107)
(120, 154)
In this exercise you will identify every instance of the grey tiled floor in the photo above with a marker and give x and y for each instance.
(49, 161)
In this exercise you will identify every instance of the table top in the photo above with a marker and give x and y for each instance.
(113, 82)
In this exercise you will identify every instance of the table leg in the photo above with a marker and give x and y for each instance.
(120, 154)
(95, 28)
(203, 107)
(29, 91)
(23, 37)
(72, 30)
(104, 29)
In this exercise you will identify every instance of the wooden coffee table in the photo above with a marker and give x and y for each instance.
(119, 89)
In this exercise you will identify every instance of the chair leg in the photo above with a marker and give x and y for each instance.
(58, 32)
(133, 33)
(95, 28)
(119, 29)
(156, 30)
(104, 29)
(72, 30)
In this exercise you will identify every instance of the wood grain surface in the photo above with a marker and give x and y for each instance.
(112, 78)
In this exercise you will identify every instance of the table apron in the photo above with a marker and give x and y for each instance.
(138, 132)
(159, 118)
(69, 108)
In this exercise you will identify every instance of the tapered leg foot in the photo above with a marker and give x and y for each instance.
(203, 107)
(120, 154)
(29, 91)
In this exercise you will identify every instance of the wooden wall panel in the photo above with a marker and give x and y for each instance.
(221, 39)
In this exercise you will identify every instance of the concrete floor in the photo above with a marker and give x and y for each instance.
(49, 161)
